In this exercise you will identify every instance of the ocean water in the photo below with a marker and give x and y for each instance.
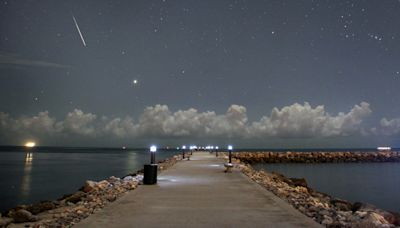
(374, 183)
(28, 176)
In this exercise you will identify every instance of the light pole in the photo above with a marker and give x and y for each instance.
(150, 170)
(230, 153)
(216, 151)
(153, 150)
(183, 151)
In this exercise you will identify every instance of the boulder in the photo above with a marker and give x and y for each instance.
(40, 207)
(76, 197)
(111, 198)
(327, 221)
(391, 217)
(372, 220)
(103, 184)
(113, 179)
(299, 182)
(395, 219)
(342, 205)
(89, 186)
(23, 215)
(280, 177)
(4, 221)
(359, 206)
(128, 178)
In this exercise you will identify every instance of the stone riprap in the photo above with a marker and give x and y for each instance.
(325, 209)
(317, 157)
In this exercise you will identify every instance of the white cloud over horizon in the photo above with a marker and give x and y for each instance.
(293, 121)
(387, 127)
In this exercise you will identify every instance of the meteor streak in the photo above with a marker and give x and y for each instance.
(79, 31)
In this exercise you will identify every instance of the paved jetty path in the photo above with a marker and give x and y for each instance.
(197, 193)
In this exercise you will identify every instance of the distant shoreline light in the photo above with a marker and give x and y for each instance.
(30, 144)
(383, 148)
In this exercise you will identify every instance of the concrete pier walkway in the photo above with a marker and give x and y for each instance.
(197, 193)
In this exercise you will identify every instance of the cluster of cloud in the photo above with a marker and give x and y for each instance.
(303, 121)
(387, 127)
(294, 121)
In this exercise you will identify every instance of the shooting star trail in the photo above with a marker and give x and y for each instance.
(79, 31)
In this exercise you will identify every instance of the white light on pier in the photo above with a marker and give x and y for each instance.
(230, 147)
(153, 149)
(183, 147)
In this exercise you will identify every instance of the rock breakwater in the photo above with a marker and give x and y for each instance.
(317, 157)
(326, 210)
(72, 208)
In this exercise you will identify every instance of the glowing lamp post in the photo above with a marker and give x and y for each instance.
(216, 151)
(230, 153)
(150, 170)
(153, 150)
(183, 152)
(191, 150)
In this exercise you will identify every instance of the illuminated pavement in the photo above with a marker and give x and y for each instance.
(197, 193)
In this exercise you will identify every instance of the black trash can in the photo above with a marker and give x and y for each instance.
(150, 174)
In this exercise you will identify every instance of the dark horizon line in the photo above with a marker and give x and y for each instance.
(223, 148)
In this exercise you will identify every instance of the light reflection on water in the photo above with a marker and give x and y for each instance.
(132, 160)
(26, 178)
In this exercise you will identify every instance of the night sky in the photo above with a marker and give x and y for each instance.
(251, 73)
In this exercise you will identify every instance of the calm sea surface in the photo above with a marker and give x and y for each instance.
(48, 173)
(375, 183)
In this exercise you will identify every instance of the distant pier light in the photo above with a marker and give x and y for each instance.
(183, 151)
(384, 148)
(30, 144)
(230, 148)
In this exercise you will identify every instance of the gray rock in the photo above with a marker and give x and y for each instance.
(40, 207)
(113, 179)
(89, 186)
(76, 197)
(4, 221)
(327, 220)
(128, 178)
(299, 182)
(111, 198)
(23, 215)
(342, 205)
(372, 220)
(324, 212)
